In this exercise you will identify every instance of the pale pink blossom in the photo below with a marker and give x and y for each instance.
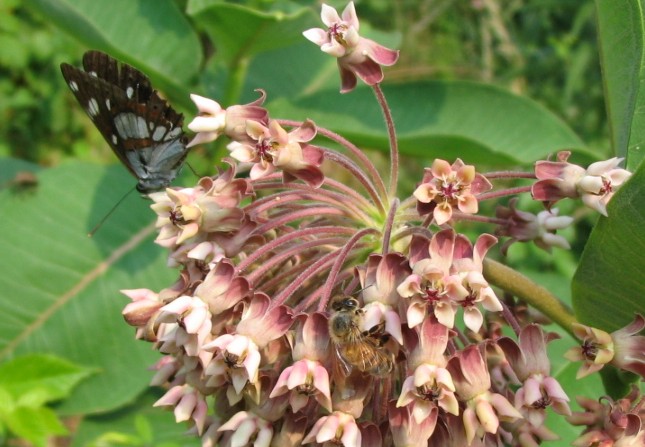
(212, 206)
(303, 379)
(408, 431)
(194, 328)
(145, 303)
(307, 376)
(356, 55)
(248, 429)
(188, 403)
(467, 286)
(623, 348)
(430, 386)
(431, 261)
(272, 148)
(530, 362)
(339, 428)
(445, 187)
(596, 185)
(213, 120)
(236, 361)
(484, 409)
(523, 226)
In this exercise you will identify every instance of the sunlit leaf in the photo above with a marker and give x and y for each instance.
(476, 122)
(54, 376)
(60, 289)
(608, 287)
(622, 41)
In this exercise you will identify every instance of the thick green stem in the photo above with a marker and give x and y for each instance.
(522, 287)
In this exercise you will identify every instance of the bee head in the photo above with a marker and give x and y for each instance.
(344, 303)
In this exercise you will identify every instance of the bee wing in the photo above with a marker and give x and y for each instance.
(368, 357)
(342, 365)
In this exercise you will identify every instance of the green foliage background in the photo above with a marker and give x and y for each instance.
(498, 83)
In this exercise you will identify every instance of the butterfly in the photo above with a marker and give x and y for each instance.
(142, 129)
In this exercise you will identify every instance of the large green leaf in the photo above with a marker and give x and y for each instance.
(59, 291)
(608, 287)
(476, 122)
(51, 377)
(239, 32)
(622, 42)
(155, 36)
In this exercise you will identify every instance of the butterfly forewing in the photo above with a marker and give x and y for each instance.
(141, 128)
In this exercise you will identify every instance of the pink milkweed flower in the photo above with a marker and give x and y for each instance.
(467, 286)
(214, 121)
(430, 387)
(338, 428)
(236, 361)
(270, 148)
(212, 206)
(145, 303)
(484, 409)
(237, 355)
(194, 323)
(523, 226)
(624, 348)
(222, 288)
(189, 404)
(248, 428)
(356, 55)
(445, 187)
(611, 422)
(431, 261)
(406, 430)
(596, 185)
(307, 376)
(379, 281)
(530, 362)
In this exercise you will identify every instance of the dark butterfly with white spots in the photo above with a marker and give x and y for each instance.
(142, 129)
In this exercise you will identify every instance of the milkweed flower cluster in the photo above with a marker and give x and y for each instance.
(253, 353)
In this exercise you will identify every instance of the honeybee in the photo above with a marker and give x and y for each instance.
(354, 347)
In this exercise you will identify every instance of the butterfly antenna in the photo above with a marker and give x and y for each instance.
(193, 170)
(109, 213)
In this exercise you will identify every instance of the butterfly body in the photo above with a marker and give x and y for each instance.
(142, 129)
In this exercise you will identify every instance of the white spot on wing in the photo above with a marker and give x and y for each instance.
(129, 125)
(143, 129)
(107, 103)
(93, 107)
(73, 86)
(121, 124)
(159, 133)
(92, 73)
(129, 92)
(115, 140)
(174, 133)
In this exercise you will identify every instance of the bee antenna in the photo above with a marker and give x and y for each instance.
(109, 213)
(366, 287)
(193, 170)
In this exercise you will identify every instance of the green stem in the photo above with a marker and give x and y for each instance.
(537, 296)
(236, 78)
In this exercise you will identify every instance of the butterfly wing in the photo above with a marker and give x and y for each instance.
(142, 129)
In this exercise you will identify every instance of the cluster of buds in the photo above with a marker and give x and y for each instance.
(309, 311)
